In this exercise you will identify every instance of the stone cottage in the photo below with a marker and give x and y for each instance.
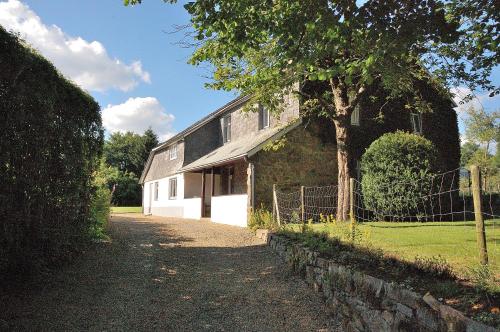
(225, 165)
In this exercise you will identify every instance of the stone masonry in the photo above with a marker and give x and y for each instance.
(364, 303)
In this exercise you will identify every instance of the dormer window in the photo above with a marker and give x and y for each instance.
(263, 117)
(416, 123)
(355, 116)
(226, 128)
(173, 152)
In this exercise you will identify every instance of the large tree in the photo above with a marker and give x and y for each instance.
(268, 49)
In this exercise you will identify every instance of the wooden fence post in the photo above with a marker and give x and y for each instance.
(302, 207)
(276, 211)
(478, 214)
(351, 208)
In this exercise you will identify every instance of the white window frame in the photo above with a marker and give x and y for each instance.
(172, 188)
(355, 116)
(172, 152)
(264, 117)
(226, 128)
(156, 191)
(416, 123)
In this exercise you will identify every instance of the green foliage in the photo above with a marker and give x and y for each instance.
(482, 127)
(467, 150)
(126, 191)
(262, 218)
(50, 141)
(125, 155)
(348, 232)
(128, 151)
(397, 172)
(436, 265)
(99, 212)
(484, 278)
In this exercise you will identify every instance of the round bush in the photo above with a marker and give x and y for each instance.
(397, 171)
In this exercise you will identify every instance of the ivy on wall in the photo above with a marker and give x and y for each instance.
(51, 140)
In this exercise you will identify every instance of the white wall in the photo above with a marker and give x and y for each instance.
(230, 209)
(165, 206)
(192, 208)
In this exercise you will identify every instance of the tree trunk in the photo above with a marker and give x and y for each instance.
(342, 130)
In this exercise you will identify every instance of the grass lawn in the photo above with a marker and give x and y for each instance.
(454, 241)
(126, 209)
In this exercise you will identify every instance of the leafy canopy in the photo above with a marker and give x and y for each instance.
(263, 47)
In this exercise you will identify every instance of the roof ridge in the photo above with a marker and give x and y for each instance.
(202, 121)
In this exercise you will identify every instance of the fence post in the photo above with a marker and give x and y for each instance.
(351, 207)
(276, 211)
(478, 214)
(302, 207)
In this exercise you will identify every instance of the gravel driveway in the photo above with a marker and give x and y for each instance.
(171, 275)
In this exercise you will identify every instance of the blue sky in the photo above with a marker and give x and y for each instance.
(140, 33)
(126, 57)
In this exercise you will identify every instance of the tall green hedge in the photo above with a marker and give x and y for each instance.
(51, 140)
(397, 171)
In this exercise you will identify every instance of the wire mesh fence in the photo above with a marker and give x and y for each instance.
(444, 209)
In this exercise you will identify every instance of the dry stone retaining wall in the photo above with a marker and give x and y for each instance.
(364, 303)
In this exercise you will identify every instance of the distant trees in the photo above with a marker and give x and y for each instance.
(482, 132)
(124, 157)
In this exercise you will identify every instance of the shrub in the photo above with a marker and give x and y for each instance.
(397, 171)
(262, 218)
(100, 204)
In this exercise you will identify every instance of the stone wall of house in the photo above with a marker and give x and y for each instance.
(162, 166)
(363, 303)
(240, 177)
(244, 123)
(202, 141)
(307, 158)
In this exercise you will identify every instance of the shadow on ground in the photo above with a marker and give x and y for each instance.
(168, 274)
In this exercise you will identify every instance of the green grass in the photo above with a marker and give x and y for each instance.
(126, 209)
(454, 241)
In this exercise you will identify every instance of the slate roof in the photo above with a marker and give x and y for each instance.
(244, 147)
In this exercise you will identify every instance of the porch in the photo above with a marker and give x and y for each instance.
(221, 192)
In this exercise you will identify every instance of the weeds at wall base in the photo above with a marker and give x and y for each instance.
(424, 275)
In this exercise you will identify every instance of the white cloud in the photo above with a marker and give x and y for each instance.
(86, 63)
(136, 115)
(482, 100)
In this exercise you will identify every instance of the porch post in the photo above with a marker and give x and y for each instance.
(213, 184)
(203, 193)
(250, 191)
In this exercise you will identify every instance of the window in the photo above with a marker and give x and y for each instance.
(156, 191)
(173, 152)
(355, 116)
(172, 188)
(416, 123)
(226, 128)
(263, 117)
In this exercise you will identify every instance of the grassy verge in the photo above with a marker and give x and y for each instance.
(126, 209)
(440, 258)
(455, 242)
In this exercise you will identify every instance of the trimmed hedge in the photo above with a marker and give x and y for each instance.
(51, 140)
(397, 172)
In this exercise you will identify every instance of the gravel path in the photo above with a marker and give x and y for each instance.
(171, 275)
